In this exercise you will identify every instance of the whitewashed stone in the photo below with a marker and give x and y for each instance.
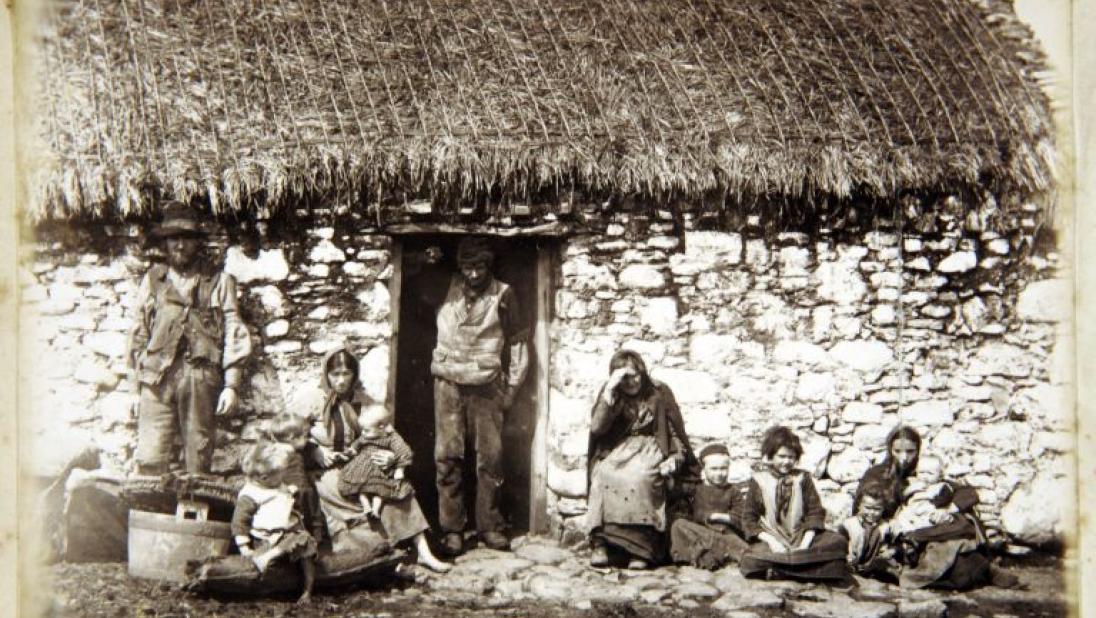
(566, 483)
(801, 352)
(704, 243)
(864, 356)
(272, 300)
(932, 412)
(958, 262)
(821, 424)
(847, 327)
(998, 246)
(284, 347)
(325, 252)
(91, 371)
(883, 315)
(64, 442)
(652, 352)
(1030, 516)
(378, 301)
(581, 274)
(355, 269)
(871, 437)
(373, 372)
(90, 273)
(665, 243)
(277, 328)
(108, 344)
(1005, 437)
(1050, 406)
(1003, 359)
(794, 261)
(322, 346)
(116, 408)
(840, 283)
(815, 387)
(862, 412)
(571, 507)
(642, 277)
(320, 313)
(757, 255)
(659, 315)
(689, 387)
(1050, 300)
(848, 465)
(319, 271)
(270, 265)
(710, 350)
(816, 454)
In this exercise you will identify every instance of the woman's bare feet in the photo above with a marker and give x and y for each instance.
(427, 558)
(305, 598)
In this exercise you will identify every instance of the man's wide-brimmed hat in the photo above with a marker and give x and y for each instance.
(179, 220)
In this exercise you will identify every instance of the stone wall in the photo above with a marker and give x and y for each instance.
(750, 332)
(299, 298)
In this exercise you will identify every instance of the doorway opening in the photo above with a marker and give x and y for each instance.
(522, 263)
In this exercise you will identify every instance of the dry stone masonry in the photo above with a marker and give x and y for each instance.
(959, 333)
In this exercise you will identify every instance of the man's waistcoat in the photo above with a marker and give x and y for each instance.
(470, 337)
(175, 319)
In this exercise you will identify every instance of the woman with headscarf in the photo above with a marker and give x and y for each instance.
(334, 429)
(949, 555)
(637, 444)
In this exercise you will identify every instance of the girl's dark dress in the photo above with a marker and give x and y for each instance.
(361, 476)
(951, 555)
(787, 508)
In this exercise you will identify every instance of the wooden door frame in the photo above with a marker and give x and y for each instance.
(538, 458)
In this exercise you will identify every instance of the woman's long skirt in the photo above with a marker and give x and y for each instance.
(952, 558)
(824, 560)
(399, 520)
(627, 503)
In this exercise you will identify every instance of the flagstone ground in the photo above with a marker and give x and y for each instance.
(539, 578)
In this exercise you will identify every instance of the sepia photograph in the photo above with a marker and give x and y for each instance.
(584, 308)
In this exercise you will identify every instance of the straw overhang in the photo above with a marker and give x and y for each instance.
(250, 102)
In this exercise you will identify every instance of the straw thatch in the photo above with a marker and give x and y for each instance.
(260, 102)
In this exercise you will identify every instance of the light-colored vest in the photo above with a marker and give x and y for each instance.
(175, 318)
(470, 337)
(275, 514)
(784, 526)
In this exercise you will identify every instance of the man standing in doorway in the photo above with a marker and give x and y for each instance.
(478, 364)
(186, 349)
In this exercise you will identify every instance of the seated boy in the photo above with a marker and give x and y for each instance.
(710, 538)
(868, 552)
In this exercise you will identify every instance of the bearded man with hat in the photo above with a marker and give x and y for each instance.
(479, 362)
(186, 349)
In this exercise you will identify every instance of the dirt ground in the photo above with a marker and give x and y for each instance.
(104, 589)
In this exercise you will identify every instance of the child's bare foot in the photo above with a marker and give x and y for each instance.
(305, 598)
(261, 561)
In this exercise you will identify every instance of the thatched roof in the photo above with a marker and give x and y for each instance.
(266, 101)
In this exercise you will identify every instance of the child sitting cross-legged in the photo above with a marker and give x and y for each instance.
(711, 537)
(361, 477)
(785, 516)
(265, 524)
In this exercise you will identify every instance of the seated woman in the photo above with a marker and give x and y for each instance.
(637, 443)
(783, 512)
(334, 429)
(712, 537)
(949, 554)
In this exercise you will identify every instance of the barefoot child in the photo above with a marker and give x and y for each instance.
(361, 477)
(712, 537)
(265, 523)
(785, 516)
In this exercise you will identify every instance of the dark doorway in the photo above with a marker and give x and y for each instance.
(515, 264)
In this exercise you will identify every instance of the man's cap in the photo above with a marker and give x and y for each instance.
(179, 220)
(474, 250)
(715, 448)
